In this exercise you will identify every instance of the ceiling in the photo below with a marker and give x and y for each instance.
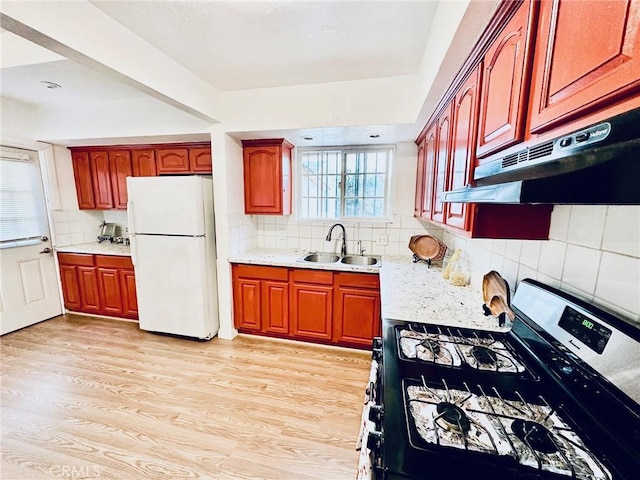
(239, 45)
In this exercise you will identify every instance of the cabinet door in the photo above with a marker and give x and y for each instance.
(89, 291)
(110, 291)
(587, 56)
(443, 142)
(262, 180)
(418, 203)
(430, 155)
(463, 141)
(70, 287)
(144, 163)
(503, 107)
(275, 307)
(120, 163)
(312, 311)
(129, 296)
(247, 304)
(83, 180)
(357, 318)
(200, 159)
(101, 180)
(172, 160)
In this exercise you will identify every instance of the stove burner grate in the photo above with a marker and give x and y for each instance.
(535, 435)
(453, 416)
(530, 433)
(484, 355)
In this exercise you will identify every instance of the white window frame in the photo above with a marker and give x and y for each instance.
(388, 188)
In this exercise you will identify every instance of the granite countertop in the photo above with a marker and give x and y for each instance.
(103, 248)
(292, 258)
(414, 292)
(408, 291)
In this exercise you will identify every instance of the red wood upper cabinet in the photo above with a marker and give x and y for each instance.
(587, 56)
(144, 163)
(418, 208)
(83, 180)
(200, 160)
(172, 160)
(121, 168)
(463, 142)
(443, 150)
(267, 176)
(101, 172)
(430, 155)
(505, 85)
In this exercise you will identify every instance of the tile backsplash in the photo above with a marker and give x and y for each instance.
(593, 251)
(73, 227)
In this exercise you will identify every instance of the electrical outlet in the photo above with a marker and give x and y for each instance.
(281, 234)
(382, 239)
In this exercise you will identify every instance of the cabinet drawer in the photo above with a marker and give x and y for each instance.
(313, 276)
(114, 261)
(261, 272)
(362, 280)
(82, 259)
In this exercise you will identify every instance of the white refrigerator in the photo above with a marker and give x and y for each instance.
(171, 227)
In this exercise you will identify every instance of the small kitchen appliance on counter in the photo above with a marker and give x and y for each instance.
(556, 397)
(107, 232)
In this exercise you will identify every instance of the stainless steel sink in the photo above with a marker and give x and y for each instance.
(321, 258)
(360, 260)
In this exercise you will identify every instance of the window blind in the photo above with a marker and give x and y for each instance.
(22, 206)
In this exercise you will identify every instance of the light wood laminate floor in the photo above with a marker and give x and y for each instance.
(86, 397)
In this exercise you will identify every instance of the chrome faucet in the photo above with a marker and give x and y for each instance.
(343, 249)
(360, 249)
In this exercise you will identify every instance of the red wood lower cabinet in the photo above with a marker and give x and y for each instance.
(304, 304)
(261, 299)
(312, 311)
(357, 309)
(70, 287)
(89, 292)
(275, 307)
(110, 291)
(98, 284)
(247, 304)
(129, 295)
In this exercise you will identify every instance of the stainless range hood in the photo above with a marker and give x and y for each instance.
(595, 165)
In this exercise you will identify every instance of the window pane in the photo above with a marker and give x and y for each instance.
(363, 194)
(21, 202)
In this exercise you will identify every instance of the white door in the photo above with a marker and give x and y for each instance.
(29, 291)
(166, 205)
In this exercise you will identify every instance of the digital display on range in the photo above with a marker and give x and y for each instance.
(588, 331)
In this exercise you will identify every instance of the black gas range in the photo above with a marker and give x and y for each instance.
(556, 397)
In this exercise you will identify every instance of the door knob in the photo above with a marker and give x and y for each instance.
(44, 238)
(46, 250)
